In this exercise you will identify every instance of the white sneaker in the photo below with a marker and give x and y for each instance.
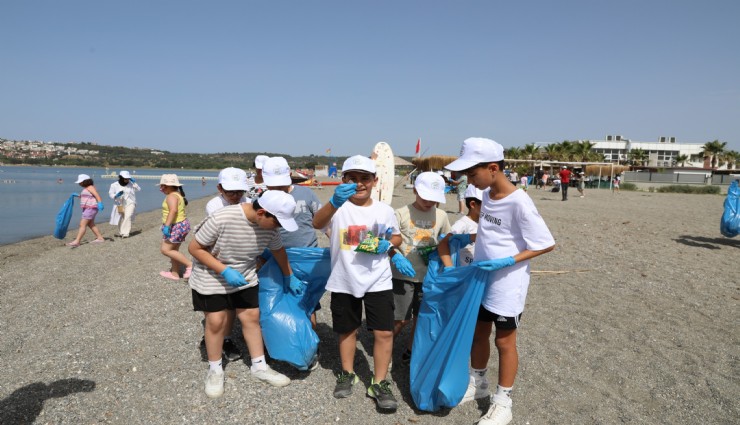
(272, 377)
(498, 414)
(214, 384)
(475, 392)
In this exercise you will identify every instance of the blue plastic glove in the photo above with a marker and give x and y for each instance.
(166, 231)
(100, 206)
(296, 285)
(403, 265)
(119, 194)
(233, 277)
(495, 264)
(132, 180)
(441, 236)
(76, 195)
(383, 246)
(463, 238)
(343, 192)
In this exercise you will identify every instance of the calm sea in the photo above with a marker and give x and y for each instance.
(30, 197)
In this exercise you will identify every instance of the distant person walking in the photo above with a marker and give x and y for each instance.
(175, 226)
(91, 203)
(581, 184)
(564, 181)
(123, 193)
(615, 183)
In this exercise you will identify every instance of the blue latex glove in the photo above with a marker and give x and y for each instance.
(343, 192)
(463, 238)
(233, 277)
(132, 180)
(100, 206)
(495, 264)
(166, 231)
(296, 285)
(441, 236)
(403, 265)
(76, 195)
(383, 246)
(119, 194)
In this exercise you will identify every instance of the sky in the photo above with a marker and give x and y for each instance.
(304, 77)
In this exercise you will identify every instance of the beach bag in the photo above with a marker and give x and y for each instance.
(730, 223)
(63, 218)
(120, 209)
(444, 333)
(284, 317)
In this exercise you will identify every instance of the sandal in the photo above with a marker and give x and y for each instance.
(72, 244)
(98, 241)
(169, 275)
(188, 271)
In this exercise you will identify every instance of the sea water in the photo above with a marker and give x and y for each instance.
(30, 196)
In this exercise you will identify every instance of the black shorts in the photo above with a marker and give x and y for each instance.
(501, 322)
(346, 311)
(244, 299)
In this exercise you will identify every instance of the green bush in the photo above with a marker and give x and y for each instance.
(703, 190)
(628, 186)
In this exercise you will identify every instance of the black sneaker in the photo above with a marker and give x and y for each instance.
(406, 358)
(345, 380)
(231, 351)
(382, 394)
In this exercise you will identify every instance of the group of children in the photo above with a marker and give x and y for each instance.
(502, 228)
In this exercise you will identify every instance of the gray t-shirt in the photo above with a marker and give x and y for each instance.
(234, 241)
(306, 205)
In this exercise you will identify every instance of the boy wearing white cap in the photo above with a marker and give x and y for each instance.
(361, 278)
(232, 185)
(510, 233)
(256, 183)
(468, 225)
(224, 277)
(421, 224)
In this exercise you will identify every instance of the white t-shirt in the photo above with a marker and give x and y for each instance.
(357, 273)
(505, 228)
(465, 225)
(234, 241)
(219, 202)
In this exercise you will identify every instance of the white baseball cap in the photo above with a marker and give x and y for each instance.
(359, 163)
(281, 205)
(125, 174)
(474, 192)
(565, 166)
(430, 187)
(233, 179)
(476, 150)
(82, 177)
(276, 172)
(259, 160)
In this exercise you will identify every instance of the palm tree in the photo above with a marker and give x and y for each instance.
(582, 150)
(714, 150)
(682, 159)
(530, 151)
(513, 153)
(731, 157)
(638, 156)
(550, 151)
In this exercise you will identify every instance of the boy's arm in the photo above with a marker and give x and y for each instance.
(529, 254)
(200, 253)
(443, 248)
(281, 257)
(323, 216)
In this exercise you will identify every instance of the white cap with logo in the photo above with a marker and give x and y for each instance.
(233, 179)
(276, 172)
(430, 187)
(476, 150)
(282, 206)
(473, 192)
(259, 160)
(82, 177)
(359, 163)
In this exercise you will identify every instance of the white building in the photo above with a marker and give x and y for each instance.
(662, 153)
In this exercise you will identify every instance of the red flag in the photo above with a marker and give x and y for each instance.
(418, 146)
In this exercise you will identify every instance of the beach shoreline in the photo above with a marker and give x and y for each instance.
(633, 319)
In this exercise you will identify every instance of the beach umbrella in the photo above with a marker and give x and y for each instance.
(63, 217)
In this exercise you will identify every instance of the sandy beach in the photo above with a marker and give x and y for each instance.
(632, 319)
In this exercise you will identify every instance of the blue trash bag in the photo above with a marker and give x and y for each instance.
(284, 317)
(444, 333)
(730, 223)
(63, 218)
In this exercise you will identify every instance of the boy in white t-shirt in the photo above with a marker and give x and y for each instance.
(468, 225)
(359, 278)
(421, 224)
(510, 233)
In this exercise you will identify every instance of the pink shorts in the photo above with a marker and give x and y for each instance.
(89, 213)
(178, 232)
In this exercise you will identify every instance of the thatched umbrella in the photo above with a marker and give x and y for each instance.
(432, 163)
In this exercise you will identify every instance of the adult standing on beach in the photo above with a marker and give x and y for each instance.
(123, 192)
(175, 226)
(91, 203)
(564, 181)
(582, 184)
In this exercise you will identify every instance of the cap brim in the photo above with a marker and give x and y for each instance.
(288, 224)
(460, 164)
(237, 186)
(433, 196)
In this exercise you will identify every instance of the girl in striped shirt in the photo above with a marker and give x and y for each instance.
(91, 204)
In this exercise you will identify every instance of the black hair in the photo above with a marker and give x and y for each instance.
(86, 183)
(470, 200)
(182, 192)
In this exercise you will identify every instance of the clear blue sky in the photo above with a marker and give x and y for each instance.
(301, 77)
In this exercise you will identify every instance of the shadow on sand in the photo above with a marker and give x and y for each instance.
(708, 243)
(24, 405)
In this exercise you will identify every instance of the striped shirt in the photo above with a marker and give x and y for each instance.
(87, 200)
(235, 242)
